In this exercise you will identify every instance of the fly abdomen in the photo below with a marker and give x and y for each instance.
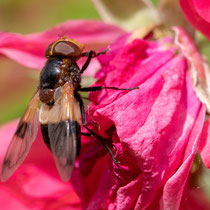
(62, 131)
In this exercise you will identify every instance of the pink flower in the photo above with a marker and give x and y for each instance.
(197, 13)
(155, 129)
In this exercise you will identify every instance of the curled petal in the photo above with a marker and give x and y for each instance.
(198, 67)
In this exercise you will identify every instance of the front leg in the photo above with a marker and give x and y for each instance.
(91, 54)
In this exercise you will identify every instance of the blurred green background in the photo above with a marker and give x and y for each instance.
(17, 83)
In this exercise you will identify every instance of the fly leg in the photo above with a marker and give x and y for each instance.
(96, 88)
(91, 54)
(86, 134)
(92, 133)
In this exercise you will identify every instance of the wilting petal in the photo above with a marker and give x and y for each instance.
(204, 146)
(29, 49)
(197, 13)
(198, 67)
(36, 184)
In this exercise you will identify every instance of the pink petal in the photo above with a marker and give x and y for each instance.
(197, 13)
(204, 146)
(114, 75)
(174, 187)
(194, 199)
(36, 184)
(202, 7)
(29, 49)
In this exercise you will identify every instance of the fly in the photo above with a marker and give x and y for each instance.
(61, 109)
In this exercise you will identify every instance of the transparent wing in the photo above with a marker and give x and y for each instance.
(64, 130)
(22, 140)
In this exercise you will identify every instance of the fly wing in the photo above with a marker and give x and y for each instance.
(22, 140)
(63, 122)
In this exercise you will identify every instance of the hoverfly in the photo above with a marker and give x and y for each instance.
(61, 108)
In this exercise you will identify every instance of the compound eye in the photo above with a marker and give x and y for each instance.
(67, 49)
(48, 50)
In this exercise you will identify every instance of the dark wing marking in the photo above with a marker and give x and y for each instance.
(64, 130)
(22, 140)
